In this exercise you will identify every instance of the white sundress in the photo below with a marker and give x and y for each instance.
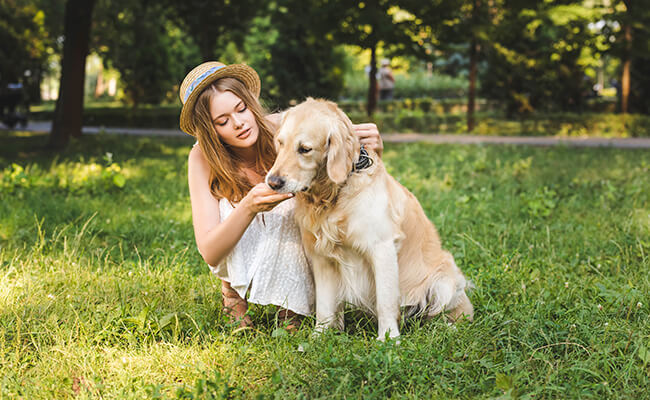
(269, 262)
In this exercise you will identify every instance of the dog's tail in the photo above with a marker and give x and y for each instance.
(447, 292)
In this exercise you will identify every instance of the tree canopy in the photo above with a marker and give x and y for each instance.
(526, 55)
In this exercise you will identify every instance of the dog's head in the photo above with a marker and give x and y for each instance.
(314, 136)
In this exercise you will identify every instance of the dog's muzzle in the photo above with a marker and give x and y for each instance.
(275, 182)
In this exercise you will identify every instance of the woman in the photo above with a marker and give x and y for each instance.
(244, 230)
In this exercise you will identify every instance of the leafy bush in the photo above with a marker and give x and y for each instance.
(410, 86)
(556, 124)
(423, 115)
(73, 177)
(146, 117)
(426, 104)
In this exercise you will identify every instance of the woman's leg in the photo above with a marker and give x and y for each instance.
(234, 306)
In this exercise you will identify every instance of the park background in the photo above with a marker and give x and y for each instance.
(102, 291)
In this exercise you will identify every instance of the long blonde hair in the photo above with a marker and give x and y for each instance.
(226, 176)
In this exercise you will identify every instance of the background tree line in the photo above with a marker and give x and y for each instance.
(527, 55)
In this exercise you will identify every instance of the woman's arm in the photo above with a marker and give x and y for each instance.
(215, 239)
(369, 136)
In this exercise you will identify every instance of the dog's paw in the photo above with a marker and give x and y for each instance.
(394, 339)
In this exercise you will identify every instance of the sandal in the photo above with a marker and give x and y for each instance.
(291, 319)
(234, 306)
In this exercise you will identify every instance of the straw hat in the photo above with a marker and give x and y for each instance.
(205, 74)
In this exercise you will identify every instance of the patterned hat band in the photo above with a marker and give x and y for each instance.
(200, 79)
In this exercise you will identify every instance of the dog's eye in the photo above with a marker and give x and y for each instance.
(303, 150)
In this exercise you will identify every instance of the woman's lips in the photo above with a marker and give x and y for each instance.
(244, 134)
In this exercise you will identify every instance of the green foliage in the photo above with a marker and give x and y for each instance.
(68, 177)
(137, 39)
(104, 295)
(543, 124)
(541, 202)
(23, 38)
(304, 60)
(213, 25)
(534, 63)
(415, 115)
(413, 85)
(215, 387)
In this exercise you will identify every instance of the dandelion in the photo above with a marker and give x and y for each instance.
(606, 323)
(50, 296)
(639, 305)
(566, 284)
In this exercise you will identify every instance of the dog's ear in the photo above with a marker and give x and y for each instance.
(343, 146)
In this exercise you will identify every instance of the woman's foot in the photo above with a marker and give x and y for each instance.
(290, 319)
(234, 306)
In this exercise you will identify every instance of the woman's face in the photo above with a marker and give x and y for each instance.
(233, 120)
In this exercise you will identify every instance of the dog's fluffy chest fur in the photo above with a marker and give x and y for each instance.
(329, 232)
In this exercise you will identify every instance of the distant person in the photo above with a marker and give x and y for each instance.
(386, 81)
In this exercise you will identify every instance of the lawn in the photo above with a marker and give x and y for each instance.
(104, 295)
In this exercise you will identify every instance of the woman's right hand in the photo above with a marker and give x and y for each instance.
(262, 198)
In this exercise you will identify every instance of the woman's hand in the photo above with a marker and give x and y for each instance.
(369, 136)
(262, 198)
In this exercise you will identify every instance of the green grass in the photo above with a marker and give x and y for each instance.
(103, 294)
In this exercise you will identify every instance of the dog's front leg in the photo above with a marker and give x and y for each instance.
(386, 269)
(328, 297)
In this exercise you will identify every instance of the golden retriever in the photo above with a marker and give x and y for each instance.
(367, 236)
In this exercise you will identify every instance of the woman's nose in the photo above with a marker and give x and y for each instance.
(238, 122)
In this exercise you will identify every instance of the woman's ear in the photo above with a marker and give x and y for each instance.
(340, 151)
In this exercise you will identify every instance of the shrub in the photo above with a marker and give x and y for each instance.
(72, 177)
(422, 115)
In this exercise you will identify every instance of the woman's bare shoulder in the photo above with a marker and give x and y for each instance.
(197, 165)
(196, 156)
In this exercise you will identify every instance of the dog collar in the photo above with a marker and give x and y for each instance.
(364, 161)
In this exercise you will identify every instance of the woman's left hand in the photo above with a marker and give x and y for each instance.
(369, 136)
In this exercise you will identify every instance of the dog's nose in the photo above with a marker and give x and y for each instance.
(275, 182)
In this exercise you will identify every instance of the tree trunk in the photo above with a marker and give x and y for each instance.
(473, 59)
(206, 45)
(627, 55)
(471, 95)
(69, 106)
(372, 89)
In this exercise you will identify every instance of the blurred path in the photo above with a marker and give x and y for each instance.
(633, 143)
